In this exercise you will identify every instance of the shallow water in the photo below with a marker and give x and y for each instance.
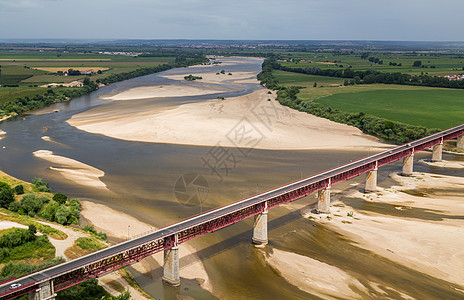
(142, 179)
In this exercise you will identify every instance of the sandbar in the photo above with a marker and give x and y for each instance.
(73, 170)
(255, 120)
(146, 92)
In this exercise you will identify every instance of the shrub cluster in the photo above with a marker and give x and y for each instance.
(91, 229)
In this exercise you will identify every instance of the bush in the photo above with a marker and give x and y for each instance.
(91, 229)
(4, 185)
(14, 206)
(41, 186)
(62, 214)
(60, 198)
(30, 204)
(49, 210)
(16, 237)
(19, 189)
(6, 197)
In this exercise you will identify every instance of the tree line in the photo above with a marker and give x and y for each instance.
(373, 76)
(392, 131)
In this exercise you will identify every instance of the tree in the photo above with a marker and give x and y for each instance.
(417, 63)
(4, 185)
(41, 185)
(60, 198)
(62, 214)
(30, 204)
(33, 229)
(86, 81)
(49, 210)
(315, 84)
(6, 197)
(346, 83)
(19, 189)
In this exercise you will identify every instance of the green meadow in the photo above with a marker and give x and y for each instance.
(423, 106)
(434, 64)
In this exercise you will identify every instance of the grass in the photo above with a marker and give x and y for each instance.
(83, 246)
(40, 249)
(415, 105)
(26, 220)
(432, 108)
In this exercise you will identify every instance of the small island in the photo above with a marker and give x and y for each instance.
(192, 77)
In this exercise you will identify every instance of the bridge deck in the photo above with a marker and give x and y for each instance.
(106, 260)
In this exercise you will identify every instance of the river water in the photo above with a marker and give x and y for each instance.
(141, 178)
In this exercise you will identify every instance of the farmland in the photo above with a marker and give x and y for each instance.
(422, 106)
(431, 63)
(24, 72)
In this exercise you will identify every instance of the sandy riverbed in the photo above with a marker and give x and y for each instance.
(213, 77)
(145, 92)
(432, 244)
(120, 225)
(73, 170)
(250, 121)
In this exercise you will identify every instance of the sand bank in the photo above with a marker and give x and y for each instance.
(117, 224)
(213, 77)
(255, 120)
(328, 282)
(73, 170)
(161, 91)
(431, 244)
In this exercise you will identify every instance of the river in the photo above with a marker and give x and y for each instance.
(141, 180)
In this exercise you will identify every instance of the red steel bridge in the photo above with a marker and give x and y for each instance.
(49, 281)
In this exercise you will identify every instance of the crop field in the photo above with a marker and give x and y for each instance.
(432, 108)
(423, 106)
(432, 64)
(29, 70)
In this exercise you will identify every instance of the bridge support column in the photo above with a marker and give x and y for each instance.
(44, 292)
(260, 229)
(408, 162)
(371, 181)
(171, 266)
(323, 201)
(460, 143)
(437, 152)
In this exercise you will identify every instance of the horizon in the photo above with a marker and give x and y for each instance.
(359, 20)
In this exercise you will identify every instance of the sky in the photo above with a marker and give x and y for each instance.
(394, 20)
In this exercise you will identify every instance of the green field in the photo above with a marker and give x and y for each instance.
(423, 106)
(434, 64)
(11, 93)
(22, 68)
(439, 108)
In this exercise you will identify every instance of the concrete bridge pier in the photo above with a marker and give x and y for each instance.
(408, 162)
(171, 274)
(45, 291)
(371, 181)
(460, 143)
(437, 152)
(323, 201)
(260, 228)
